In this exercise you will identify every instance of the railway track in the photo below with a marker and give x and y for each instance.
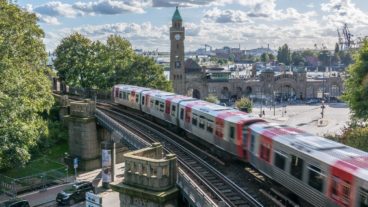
(219, 187)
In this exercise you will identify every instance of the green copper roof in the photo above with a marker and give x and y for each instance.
(176, 16)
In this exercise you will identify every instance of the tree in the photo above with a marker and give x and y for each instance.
(297, 58)
(244, 103)
(25, 92)
(145, 72)
(272, 57)
(84, 63)
(265, 58)
(283, 55)
(356, 86)
(212, 99)
(324, 58)
(346, 57)
(74, 58)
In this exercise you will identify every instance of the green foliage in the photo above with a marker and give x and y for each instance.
(87, 64)
(356, 86)
(325, 58)
(283, 55)
(265, 58)
(297, 59)
(346, 57)
(244, 103)
(25, 92)
(212, 99)
(271, 57)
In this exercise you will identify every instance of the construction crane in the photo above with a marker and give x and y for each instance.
(346, 39)
(207, 46)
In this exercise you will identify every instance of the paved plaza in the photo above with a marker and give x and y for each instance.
(305, 117)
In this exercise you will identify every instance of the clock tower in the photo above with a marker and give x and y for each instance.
(177, 72)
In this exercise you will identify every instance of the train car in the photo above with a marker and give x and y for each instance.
(155, 104)
(321, 171)
(310, 166)
(128, 95)
(221, 126)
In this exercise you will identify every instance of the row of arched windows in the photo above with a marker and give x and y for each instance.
(178, 77)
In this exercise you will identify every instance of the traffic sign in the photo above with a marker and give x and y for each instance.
(75, 162)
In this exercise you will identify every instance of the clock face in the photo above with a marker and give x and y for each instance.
(177, 36)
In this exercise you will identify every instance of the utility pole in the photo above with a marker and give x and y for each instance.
(274, 103)
(323, 108)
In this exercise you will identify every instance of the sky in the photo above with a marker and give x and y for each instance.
(246, 23)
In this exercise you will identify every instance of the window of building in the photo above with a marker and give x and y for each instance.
(143, 100)
(296, 168)
(316, 178)
(232, 132)
(363, 197)
(280, 160)
(265, 151)
(209, 128)
(181, 114)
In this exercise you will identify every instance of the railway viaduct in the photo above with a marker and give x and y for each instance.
(92, 133)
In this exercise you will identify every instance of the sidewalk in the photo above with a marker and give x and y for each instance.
(47, 197)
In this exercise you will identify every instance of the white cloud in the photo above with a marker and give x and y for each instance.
(226, 16)
(108, 7)
(343, 11)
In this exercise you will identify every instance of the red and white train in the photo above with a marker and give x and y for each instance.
(321, 171)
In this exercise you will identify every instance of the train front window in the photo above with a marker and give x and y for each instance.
(296, 168)
(316, 178)
(363, 197)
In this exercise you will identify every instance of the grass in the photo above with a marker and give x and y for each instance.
(50, 160)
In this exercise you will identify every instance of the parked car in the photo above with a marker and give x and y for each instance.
(312, 101)
(16, 203)
(75, 193)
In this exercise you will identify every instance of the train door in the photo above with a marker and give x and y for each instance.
(167, 109)
(341, 183)
(245, 136)
(363, 197)
(187, 118)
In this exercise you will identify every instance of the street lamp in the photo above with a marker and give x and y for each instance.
(323, 108)
(274, 103)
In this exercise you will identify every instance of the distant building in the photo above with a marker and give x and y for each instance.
(233, 82)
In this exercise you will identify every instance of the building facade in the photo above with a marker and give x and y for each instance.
(189, 78)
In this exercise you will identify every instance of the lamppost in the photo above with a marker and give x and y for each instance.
(323, 108)
(274, 103)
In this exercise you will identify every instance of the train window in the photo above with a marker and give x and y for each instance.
(245, 135)
(181, 114)
(161, 107)
(201, 123)
(296, 168)
(137, 99)
(316, 178)
(143, 100)
(209, 128)
(151, 103)
(232, 132)
(346, 192)
(252, 140)
(265, 152)
(363, 197)
(120, 96)
(194, 121)
(173, 109)
(156, 103)
(280, 160)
